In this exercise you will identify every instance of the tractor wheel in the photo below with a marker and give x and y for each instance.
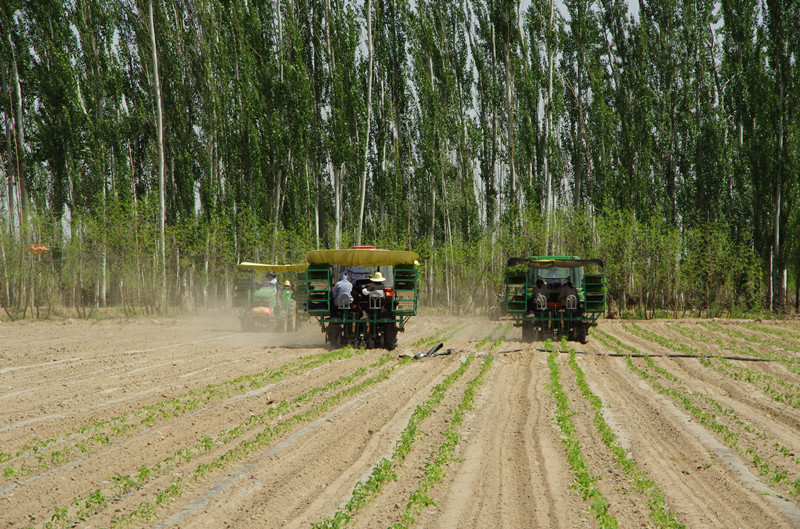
(494, 313)
(527, 331)
(390, 336)
(248, 325)
(333, 334)
(572, 333)
(581, 333)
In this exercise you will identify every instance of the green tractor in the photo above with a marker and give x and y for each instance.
(359, 316)
(551, 296)
(269, 304)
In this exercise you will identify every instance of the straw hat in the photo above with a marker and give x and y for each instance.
(287, 283)
(377, 277)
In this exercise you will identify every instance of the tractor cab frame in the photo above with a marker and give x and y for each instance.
(370, 320)
(552, 309)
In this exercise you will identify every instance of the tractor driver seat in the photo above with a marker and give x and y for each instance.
(571, 302)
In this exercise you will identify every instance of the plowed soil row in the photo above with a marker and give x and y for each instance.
(191, 423)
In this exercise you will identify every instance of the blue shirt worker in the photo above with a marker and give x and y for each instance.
(343, 286)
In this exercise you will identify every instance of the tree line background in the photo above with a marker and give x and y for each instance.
(153, 144)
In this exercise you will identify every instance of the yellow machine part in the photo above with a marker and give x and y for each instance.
(277, 268)
(362, 257)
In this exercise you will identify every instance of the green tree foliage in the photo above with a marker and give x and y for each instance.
(667, 144)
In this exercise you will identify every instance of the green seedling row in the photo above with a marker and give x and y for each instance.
(384, 471)
(584, 480)
(771, 386)
(782, 333)
(792, 363)
(659, 512)
(502, 337)
(435, 469)
(684, 397)
(436, 338)
(783, 344)
(97, 434)
(261, 440)
(661, 340)
(488, 338)
(82, 508)
(621, 348)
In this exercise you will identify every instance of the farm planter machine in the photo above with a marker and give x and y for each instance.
(367, 320)
(263, 306)
(542, 310)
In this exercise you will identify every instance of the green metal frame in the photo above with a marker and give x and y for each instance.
(243, 287)
(405, 285)
(516, 293)
(318, 289)
(592, 295)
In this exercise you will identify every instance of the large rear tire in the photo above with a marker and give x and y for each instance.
(333, 334)
(581, 332)
(528, 331)
(390, 336)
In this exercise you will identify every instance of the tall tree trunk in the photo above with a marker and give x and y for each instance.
(548, 207)
(8, 166)
(278, 191)
(778, 285)
(104, 255)
(367, 126)
(336, 178)
(510, 121)
(280, 38)
(162, 208)
(579, 169)
(22, 188)
(497, 206)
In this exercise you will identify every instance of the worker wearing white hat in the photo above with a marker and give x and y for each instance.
(375, 288)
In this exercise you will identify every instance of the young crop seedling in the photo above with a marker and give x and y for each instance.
(104, 433)
(688, 400)
(584, 480)
(488, 337)
(184, 455)
(384, 470)
(659, 511)
(430, 340)
(434, 469)
(502, 337)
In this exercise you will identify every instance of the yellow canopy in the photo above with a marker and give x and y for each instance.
(278, 269)
(362, 257)
(551, 263)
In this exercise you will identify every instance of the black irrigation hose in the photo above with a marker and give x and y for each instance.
(677, 355)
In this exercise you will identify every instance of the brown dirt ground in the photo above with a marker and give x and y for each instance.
(88, 406)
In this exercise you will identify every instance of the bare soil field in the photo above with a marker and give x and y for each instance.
(191, 423)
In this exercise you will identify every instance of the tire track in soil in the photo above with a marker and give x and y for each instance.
(310, 477)
(390, 505)
(513, 472)
(701, 480)
(153, 444)
(778, 421)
